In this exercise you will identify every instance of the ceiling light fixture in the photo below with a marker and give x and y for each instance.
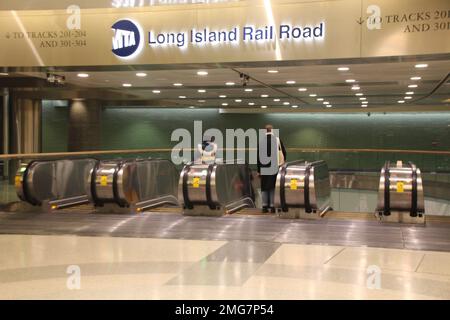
(248, 90)
(363, 98)
(202, 73)
(359, 94)
(343, 68)
(83, 75)
(302, 89)
(421, 65)
(326, 102)
(182, 97)
(201, 90)
(313, 95)
(4, 74)
(356, 88)
(251, 103)
(126, 85)
(401, 101)
(407, 98)
(319, 99)
(237, 100)
(350, 80)
(409, 92)
(222, 96)
(412, 86)
(290, 82)
(272, 71)
(264, 96)
(224, 104)
(201, 101)
(286, 103)
(276, 100)
(295, 106)
(230, 83)
(178, 84)
(156, 91)
(416, 78)
(263, 107)
(141, 74)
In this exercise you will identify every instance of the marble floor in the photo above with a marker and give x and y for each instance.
(105, 267)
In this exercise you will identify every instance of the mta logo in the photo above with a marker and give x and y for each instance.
(126, 39)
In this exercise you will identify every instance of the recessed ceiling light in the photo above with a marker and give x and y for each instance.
(251, 103)
(364, 106)
(407, 98)
(276, 100)
(237, 100)
(365, 102)
(358, 94)
(326, 102)
(412, 86)
(178, 84)
(329, 105)
(302, 89)
(141, 74)
(286, 103)
(415, 78)
(83, 75)
(127, 85)
(294, 106)
(222, 96)
(263, 107)
(230, 83)
(201, 90)
(272, 71)
(350, 80)
(248, 90)
(202, 73)
(264, 96)
(182, 97)
(421, 65)
(156, 91)
(313, 95)
(319, 99)
(290, 82)
(401, 101)
(191, 107)
(343, 68)
(356, 88)
(224, 104)
(201, 101)
(363, 98)
(409, 92)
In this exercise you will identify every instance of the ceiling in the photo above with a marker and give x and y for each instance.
(381, 84)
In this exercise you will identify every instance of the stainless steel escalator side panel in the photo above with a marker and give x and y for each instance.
(303, 187)
(104, 178)
(400, 194)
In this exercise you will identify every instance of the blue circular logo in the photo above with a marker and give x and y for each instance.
(126, 40)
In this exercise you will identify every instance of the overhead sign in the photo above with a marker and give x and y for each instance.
(224, 32)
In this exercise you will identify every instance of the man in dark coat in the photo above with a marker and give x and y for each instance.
(268, 164)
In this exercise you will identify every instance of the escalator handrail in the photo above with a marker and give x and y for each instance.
(387, 186)
(413, 212)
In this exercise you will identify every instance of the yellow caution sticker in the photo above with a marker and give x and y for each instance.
(17, 181)
(196, 182)
(400, 186)
(104, 181)
(293, 184)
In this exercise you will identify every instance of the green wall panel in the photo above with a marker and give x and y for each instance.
(124, 128)
(55, 116)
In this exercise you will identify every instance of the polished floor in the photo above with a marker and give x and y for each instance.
(82, 267)
(164, 255)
